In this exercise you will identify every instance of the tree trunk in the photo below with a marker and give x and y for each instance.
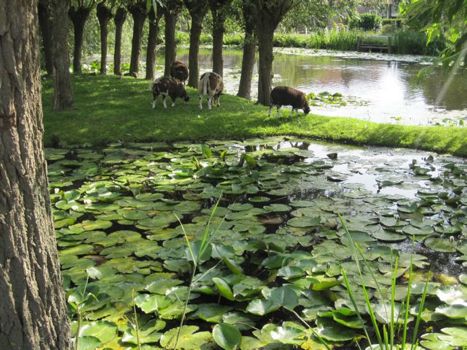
(45, 25)
(170, 42)
(198, 10)
(152, 42)
(195, 35)
(249, 49)
(265, 39)
(218, 29)
(268, 15)
(104, 15)
(79, 17)
(119, 19)
(138, 12)
(32, 303)
(63, 96)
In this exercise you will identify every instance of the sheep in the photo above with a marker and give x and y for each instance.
(168, 87)
(287, 96)
(210, 84)
(179, 71)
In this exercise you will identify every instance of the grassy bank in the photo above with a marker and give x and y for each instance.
(403, 41)
(108, 109)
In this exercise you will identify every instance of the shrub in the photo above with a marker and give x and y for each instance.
(366, 21)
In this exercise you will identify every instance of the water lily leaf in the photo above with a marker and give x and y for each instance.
(211, 312)
(223, 288)
(304, 221)
(188, 339)
(102, 330)
(440, 245)
(240, 320)
(152, 302)
(330, 330)
(452, 295)
(277, 208)
(227, 336)
(147, 333)
(88, 343)
(455, 311)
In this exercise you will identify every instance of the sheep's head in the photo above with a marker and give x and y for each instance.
(306, 109)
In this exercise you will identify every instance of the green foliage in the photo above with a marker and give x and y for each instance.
(366, 21)
(445, 19)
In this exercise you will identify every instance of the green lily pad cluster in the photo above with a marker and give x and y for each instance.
(271, 276)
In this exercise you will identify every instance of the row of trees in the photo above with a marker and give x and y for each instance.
(259, 19)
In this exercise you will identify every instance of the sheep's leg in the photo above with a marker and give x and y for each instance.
(173, 102)
(210, 102)
(270, 109)
(200, 101)
(163, 100)
(218, 101)
(278, 110)
(154, 101)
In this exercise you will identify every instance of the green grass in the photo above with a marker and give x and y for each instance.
(108, 109)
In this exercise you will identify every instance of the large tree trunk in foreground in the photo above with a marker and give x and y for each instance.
(154, 19)
(104, 15)
(198, 10)
(138, 12)
(63, 96)
(249, 48)
(171, 13)
(119, 19)
(79, 17)
(32, 303)
(218, 10)
(45, 25)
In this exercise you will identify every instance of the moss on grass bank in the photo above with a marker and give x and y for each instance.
(108, 109)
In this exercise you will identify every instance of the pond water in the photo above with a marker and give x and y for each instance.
(124, 214)
(386, 87)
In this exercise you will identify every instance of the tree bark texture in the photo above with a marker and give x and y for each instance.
(32, 303)
(198, 10)
(63, 95)
(154, 18)
(45, 24)
(79, 16)
(138, 12)
(249, 50)
(218, 11)
(172, 10)
(104, 15)
(119, 20)
(265, 40)
(269, 14)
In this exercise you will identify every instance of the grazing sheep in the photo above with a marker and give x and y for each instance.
(168, 87)
(211, 85)
(179, 71)
(287, 96)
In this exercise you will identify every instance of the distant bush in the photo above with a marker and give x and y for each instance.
(415, 43)
(366, 21)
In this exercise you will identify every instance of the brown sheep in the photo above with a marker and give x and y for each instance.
(287, 96)
(210, 84)
(168, 87)
(179, 71)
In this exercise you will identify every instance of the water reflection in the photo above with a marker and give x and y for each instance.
(392, 90)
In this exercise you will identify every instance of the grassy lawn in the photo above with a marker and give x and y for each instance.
(108, 109)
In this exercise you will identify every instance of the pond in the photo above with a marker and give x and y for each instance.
(282, 221)
(385, 87)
